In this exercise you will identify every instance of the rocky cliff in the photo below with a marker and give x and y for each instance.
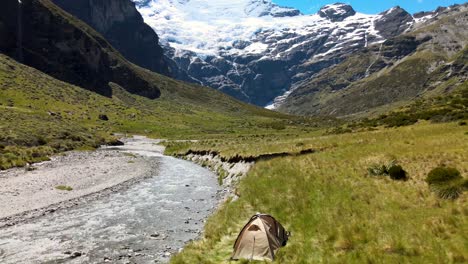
(121, 24)
(40, 34)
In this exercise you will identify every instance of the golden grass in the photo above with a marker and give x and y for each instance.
(339, 214)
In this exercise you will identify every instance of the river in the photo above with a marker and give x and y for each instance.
(143, 224)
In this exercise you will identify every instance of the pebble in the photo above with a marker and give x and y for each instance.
(75, 254)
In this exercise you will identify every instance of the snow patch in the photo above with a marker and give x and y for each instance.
(336, 9)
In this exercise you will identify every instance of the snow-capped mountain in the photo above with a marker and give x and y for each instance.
(256, 50)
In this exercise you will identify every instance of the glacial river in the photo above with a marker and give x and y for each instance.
(143, 224)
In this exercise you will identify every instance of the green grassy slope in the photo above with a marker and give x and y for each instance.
(43, 115)
(430, 60)
(451, 107)
(336, 211)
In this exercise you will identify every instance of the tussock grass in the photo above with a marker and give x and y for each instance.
(338, 214)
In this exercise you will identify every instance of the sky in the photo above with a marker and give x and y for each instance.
(370, 6)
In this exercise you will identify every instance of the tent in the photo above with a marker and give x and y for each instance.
(260, 238)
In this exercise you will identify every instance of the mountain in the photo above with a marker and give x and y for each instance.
(63, 86)
(430, 59)
(41, 35)
(120, 23)
(255, 50)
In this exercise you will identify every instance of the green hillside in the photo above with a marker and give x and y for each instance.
(40, 115)
(78, 90)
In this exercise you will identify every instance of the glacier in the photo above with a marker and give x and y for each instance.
(256, 50)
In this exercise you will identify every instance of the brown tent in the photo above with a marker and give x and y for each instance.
(260, 238)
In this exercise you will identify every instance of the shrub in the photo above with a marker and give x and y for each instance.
(379, 165)
(387, 167)
(396, 172)
(446, 182)
(442, 175)
(377, 170)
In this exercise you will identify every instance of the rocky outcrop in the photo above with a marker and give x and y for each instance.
(41, 35)
(336, 12)
(123, 26)
(393, 22)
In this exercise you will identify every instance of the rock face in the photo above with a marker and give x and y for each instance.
(41, 35)
(121, 24)
(255, 50)
(429, 59)
(393, 22)
(336, 12)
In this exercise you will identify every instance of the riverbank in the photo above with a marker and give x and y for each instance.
(333, 206)
(67, 180)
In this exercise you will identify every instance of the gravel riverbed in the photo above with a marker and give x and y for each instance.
(151, 209)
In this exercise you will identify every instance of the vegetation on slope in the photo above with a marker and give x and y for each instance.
(40, 115)
(336, 211)
(448, 108)
(429, 61)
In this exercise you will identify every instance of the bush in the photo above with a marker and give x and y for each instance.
(391, 169)
(396, 172)
(377, 170)
(446, 182)
(441, 175)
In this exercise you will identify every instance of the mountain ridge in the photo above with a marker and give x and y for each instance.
(428, 60)
(262, 57)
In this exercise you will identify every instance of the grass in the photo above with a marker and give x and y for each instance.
(335, 211)
(41, 116)
(448, 108)
(64, 188)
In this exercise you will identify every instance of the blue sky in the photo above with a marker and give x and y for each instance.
(370, 6)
